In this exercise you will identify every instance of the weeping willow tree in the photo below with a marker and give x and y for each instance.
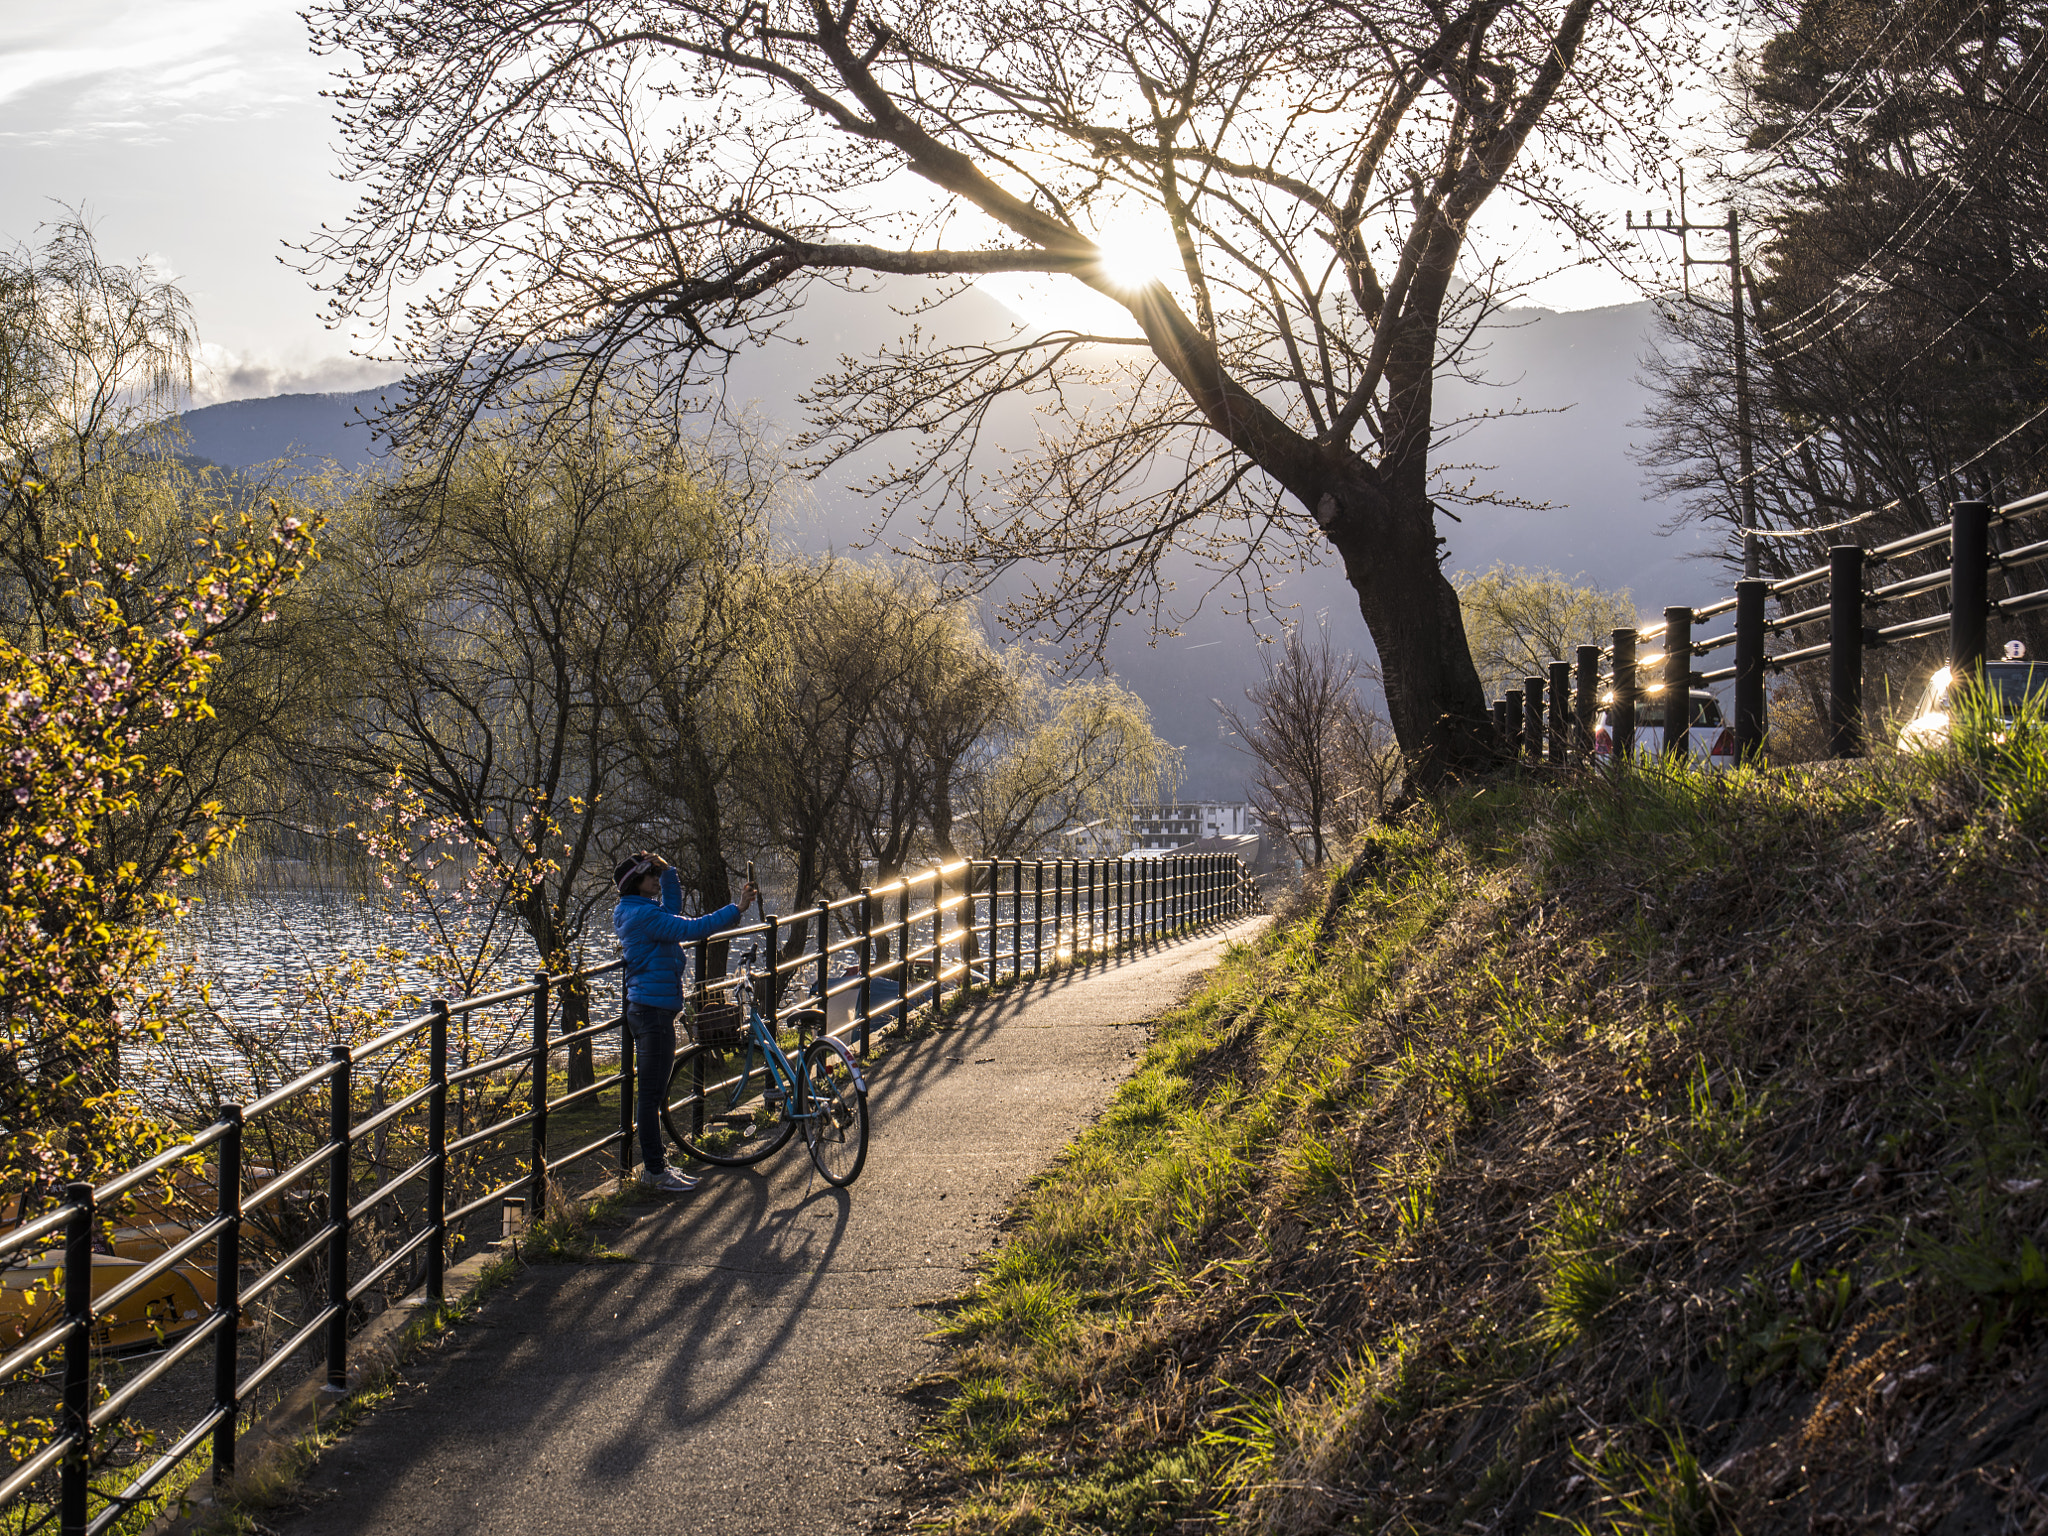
(132, 595)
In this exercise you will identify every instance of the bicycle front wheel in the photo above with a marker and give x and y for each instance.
(714, 1116)
(836, 1125)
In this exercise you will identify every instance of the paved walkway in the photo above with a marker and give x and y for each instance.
(743, 1376)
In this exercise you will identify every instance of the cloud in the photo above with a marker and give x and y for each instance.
(130, 70)
(221, 375)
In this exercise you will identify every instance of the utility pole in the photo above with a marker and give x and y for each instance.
(1682, 226)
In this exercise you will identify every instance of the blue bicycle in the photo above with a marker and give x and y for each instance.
(736, 1096)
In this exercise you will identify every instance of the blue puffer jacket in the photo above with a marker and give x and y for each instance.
(652, 935)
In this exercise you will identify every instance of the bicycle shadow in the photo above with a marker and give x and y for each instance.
(761, 1261)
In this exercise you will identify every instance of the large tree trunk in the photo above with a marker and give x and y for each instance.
(1385, 533)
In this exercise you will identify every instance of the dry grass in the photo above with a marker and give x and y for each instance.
(1664, 1155)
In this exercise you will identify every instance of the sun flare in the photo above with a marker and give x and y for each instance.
(1131, 258)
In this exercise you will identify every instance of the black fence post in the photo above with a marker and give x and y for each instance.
(1621, 714)
(903, 950)
(437, 1151)
(1038, 919)
(1677, 682)
(938, 933)
(1969, 598)
(1532, 719)
(1500, 728)
(227, 1291)
(1017, 918)
(995, 917)
(1586, 700)
(1511, 702)
(824, 945)
(1750, 595)
(1845, 650)
(73, 1511)
(1113, 886)
(537, 1180)
(338, 1092)
(867, 961)
(1560, 711)
(627, 1075)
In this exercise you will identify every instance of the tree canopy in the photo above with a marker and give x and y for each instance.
(626, 191)
(1897, 168)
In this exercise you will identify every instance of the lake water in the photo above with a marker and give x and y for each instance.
(289, 973)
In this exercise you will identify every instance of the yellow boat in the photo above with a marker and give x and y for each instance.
(182, 1297)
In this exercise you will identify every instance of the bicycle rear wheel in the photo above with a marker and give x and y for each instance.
(836, 1129)
(714, 1118)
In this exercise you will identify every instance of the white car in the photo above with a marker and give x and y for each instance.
(2012, 681)
(1708, 738)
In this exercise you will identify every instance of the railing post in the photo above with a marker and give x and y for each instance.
(1677, 682)
(903, 950)
(1094, 909)
(227, 1291)
(938, 934)
(1969, 598)
(1845, 650)
(1621, 714)
(771, 980)
(1017, 918)
(1532, 719)
(1038, 919)
(867, 962)
(73, 1505)
(338, 1109)
(824, 943)
(1059, 905)
(628, 1076)
(537, 1180)
(995, 917)
(1560, 710)
(437, 1150)
(1499, 712)
(1750, 595)
(1511, 702)
(1585, 701)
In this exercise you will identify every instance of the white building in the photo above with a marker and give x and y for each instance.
(1161, 828)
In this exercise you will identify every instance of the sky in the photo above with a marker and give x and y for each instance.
(192, 132)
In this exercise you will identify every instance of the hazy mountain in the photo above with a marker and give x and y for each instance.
(1556, 425)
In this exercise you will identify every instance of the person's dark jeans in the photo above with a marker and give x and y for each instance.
(654, 1053)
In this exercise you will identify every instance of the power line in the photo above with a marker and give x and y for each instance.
(1788, 331)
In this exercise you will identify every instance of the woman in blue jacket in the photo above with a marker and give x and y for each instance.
(651, 929)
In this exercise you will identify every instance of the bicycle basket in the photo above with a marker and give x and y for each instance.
(721, 1025)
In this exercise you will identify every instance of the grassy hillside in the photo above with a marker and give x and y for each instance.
(1664, 1155)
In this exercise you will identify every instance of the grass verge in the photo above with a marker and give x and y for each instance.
(1662, 1154)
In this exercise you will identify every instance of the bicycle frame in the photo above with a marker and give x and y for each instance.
(761, 1038)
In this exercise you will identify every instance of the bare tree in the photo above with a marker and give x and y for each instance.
(1316, 745)
(637, 189)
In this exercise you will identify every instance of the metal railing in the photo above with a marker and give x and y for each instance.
(1550, 719)
(947, 932)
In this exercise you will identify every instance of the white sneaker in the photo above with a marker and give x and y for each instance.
(668, 1182)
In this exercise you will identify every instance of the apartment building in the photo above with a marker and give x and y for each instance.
(1162, 828)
